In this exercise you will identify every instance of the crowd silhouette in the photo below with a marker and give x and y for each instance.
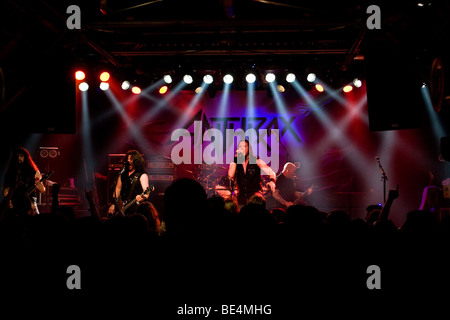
(207, 250)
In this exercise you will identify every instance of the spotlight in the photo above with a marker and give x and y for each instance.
(126, 85)
(83, 86)
(319, 88)
(198, 90)
(188, 79)
(250, 78)
(104, 86)
(290, 77)
(80, 75)
(228, 78)
(104, 76)
(357, 83)
(163, 89)
(311, 77)
(347, 88)
(208, 79)
(167, 78)
(136, 90)
(270, 77)
(281, 88)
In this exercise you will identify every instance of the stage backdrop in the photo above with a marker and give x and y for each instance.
(326, 133)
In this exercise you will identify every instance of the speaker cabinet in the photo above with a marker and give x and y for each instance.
(393, 84)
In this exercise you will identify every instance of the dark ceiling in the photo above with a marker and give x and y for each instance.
(148, 37)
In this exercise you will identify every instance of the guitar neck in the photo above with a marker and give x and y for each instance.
(129, 204)
(45, 177)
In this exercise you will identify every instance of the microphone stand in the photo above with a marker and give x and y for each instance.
(383, 178)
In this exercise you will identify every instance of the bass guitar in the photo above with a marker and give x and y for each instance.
(123, 208)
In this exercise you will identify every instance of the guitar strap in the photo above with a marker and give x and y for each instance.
(134, 182)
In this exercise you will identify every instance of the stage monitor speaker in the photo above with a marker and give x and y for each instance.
(393, 84)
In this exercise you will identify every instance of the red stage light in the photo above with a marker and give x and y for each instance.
(80, 75)
(319, 88)
(163, 89)
(347, 88)
(136, 90)
(104, 76)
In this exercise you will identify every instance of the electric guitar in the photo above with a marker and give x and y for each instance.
(301, 198)
(44, 177)
(122, 209)
(28, 193)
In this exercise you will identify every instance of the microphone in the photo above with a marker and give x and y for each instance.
(381, 167)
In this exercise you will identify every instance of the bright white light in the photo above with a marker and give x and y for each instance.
(208, 79)
(104, 86)
(126, 85)
(290, 77)
(228, 78)
(357, 83)
(167, 78)
(83, 86)
(311, 77)
(250, 78)
(270, 77)
(188, 79)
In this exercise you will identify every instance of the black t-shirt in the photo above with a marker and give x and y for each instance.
(286, 187)
(131, 185)
(249, 182)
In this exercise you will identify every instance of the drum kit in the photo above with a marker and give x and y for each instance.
(214, 179)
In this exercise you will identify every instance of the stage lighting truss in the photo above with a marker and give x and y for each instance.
(240, 79)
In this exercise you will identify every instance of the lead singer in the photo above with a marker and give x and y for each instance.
(246, 169)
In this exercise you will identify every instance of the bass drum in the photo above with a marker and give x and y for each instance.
(225, 188)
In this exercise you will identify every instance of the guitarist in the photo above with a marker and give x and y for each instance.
(21, 176)
(285, 193)
(130, 184)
